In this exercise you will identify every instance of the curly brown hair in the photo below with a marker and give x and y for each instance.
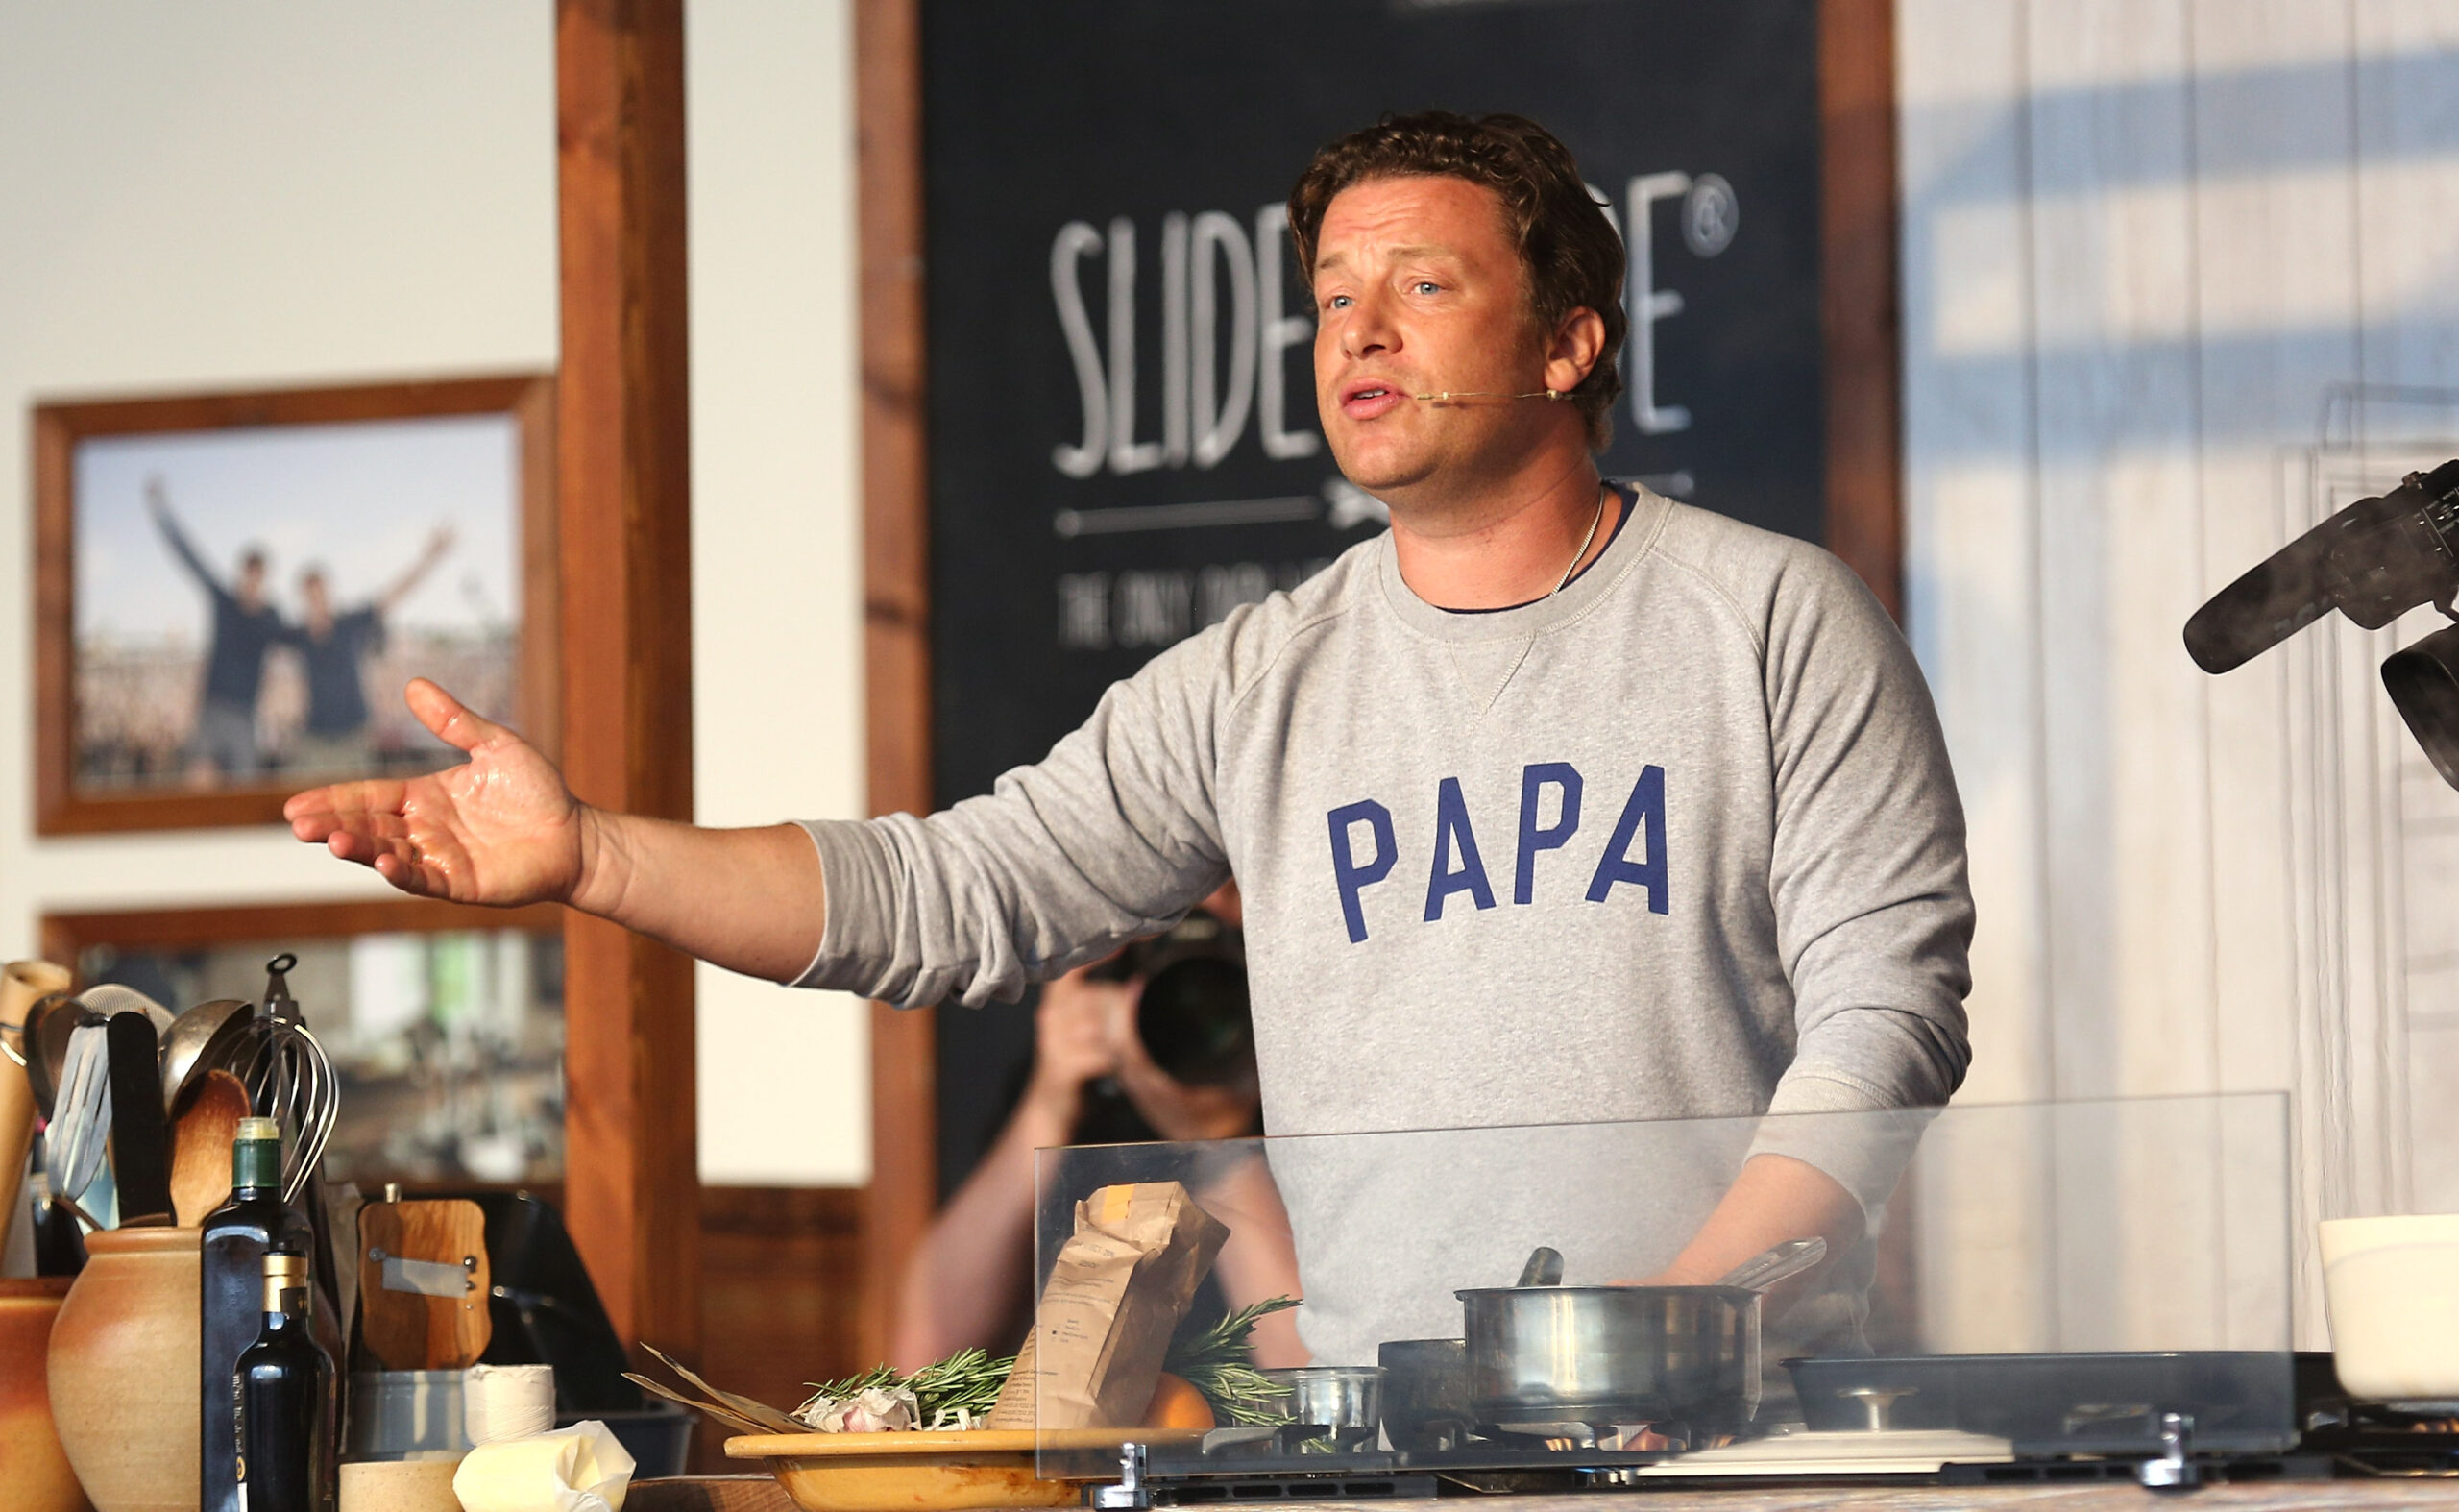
(1570, 247)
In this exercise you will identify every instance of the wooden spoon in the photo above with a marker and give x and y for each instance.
(201, 1145)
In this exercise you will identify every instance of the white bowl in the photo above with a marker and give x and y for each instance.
(2391, 1286)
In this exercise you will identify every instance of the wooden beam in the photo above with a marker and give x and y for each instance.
(1858, 304)
(623, 483)
(896, 631)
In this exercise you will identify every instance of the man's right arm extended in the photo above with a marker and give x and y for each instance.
(1111, 836)
(503, 829)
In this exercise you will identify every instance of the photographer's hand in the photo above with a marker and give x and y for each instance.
(1075, 1031)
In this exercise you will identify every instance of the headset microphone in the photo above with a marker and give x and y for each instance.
(1543, 393)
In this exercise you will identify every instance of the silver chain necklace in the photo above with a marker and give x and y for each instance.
(1585, 542)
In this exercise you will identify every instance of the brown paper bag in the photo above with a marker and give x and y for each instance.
(1122, 1281)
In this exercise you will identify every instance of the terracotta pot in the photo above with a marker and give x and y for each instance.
(124, 1371)
(33, 1465)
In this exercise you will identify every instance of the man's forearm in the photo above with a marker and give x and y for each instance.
(1776, 1197)
(749, 900)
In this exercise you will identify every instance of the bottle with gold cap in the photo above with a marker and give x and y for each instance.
(236, 1237)
(279, 1391)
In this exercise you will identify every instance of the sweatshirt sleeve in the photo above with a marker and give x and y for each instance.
(1114, 835)
(1873, 911)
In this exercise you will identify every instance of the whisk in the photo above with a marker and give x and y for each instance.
(289, 1077)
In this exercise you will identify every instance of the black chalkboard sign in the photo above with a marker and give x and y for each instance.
(1122, 432)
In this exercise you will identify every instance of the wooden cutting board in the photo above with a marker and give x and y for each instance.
(422, 1284)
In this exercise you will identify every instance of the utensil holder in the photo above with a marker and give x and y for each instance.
(32, 1466)
(123, 1368)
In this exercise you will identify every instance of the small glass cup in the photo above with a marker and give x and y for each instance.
(1345, 1402)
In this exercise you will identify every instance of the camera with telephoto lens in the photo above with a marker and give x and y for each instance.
(1192, 1015)
(2374, 561)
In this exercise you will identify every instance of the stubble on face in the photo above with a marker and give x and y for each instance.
(1420, 288)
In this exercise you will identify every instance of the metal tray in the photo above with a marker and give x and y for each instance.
(2242, 1401)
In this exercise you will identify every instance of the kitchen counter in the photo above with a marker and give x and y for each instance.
(750, 1494)
(2301, 1495)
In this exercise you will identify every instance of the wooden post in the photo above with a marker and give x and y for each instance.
(896, 631)
(1858, 296)
(623, 487)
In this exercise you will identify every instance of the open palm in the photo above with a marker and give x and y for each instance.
(500, 828)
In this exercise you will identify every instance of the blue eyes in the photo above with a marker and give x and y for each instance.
(1421, 286)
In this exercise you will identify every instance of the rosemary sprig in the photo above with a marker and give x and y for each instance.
(1219, 1362)
(968, 1381)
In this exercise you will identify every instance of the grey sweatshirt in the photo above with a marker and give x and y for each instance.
(1677, 842)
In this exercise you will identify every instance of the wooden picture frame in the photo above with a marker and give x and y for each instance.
(391, 1044)
(69, 747)
(68, 936)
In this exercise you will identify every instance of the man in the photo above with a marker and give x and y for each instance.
(1558, 803)
(333, 648)
(224, 742)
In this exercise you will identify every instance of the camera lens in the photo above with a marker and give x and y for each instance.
(1194, 1021)
(2423, 683)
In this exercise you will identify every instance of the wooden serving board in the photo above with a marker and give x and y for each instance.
(410, 1329)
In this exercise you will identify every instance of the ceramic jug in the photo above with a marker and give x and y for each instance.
(124, 1371)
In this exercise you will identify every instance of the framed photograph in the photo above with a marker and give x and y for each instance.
(444, 1022)
(231, 591)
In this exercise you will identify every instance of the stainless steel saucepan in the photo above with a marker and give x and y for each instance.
(1623, 1355)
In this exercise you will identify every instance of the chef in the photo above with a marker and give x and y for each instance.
(1559, 803)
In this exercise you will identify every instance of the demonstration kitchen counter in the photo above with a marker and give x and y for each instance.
(759, 1494)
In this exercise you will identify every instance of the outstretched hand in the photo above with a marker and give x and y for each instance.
(500, 828)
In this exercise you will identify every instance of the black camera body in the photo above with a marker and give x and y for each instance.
(2374, 561)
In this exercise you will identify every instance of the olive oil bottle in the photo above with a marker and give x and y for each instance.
(237, 1235)
(278, 1393)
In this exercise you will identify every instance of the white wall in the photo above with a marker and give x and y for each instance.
(776, 568)
(2145, 242)
(209, 197)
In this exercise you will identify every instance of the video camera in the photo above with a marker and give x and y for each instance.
(2374, 561)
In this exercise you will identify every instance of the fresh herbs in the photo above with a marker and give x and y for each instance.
(1219, 1362)
(953, 1393)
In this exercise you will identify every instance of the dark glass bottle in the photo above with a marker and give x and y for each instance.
(236, 1237)
(279, 1393)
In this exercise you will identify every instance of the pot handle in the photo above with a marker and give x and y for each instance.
(1768, 1267)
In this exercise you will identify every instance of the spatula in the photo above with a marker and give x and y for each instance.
(140, 1134)
(81, 1116)
(201, 1145)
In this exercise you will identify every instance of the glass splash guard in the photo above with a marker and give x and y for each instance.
(1999, 1282)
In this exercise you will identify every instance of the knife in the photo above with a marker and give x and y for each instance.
(140, 1134)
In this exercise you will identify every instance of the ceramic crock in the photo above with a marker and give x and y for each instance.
(124, 1371)
(33, 1465)
(2391, 1286)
